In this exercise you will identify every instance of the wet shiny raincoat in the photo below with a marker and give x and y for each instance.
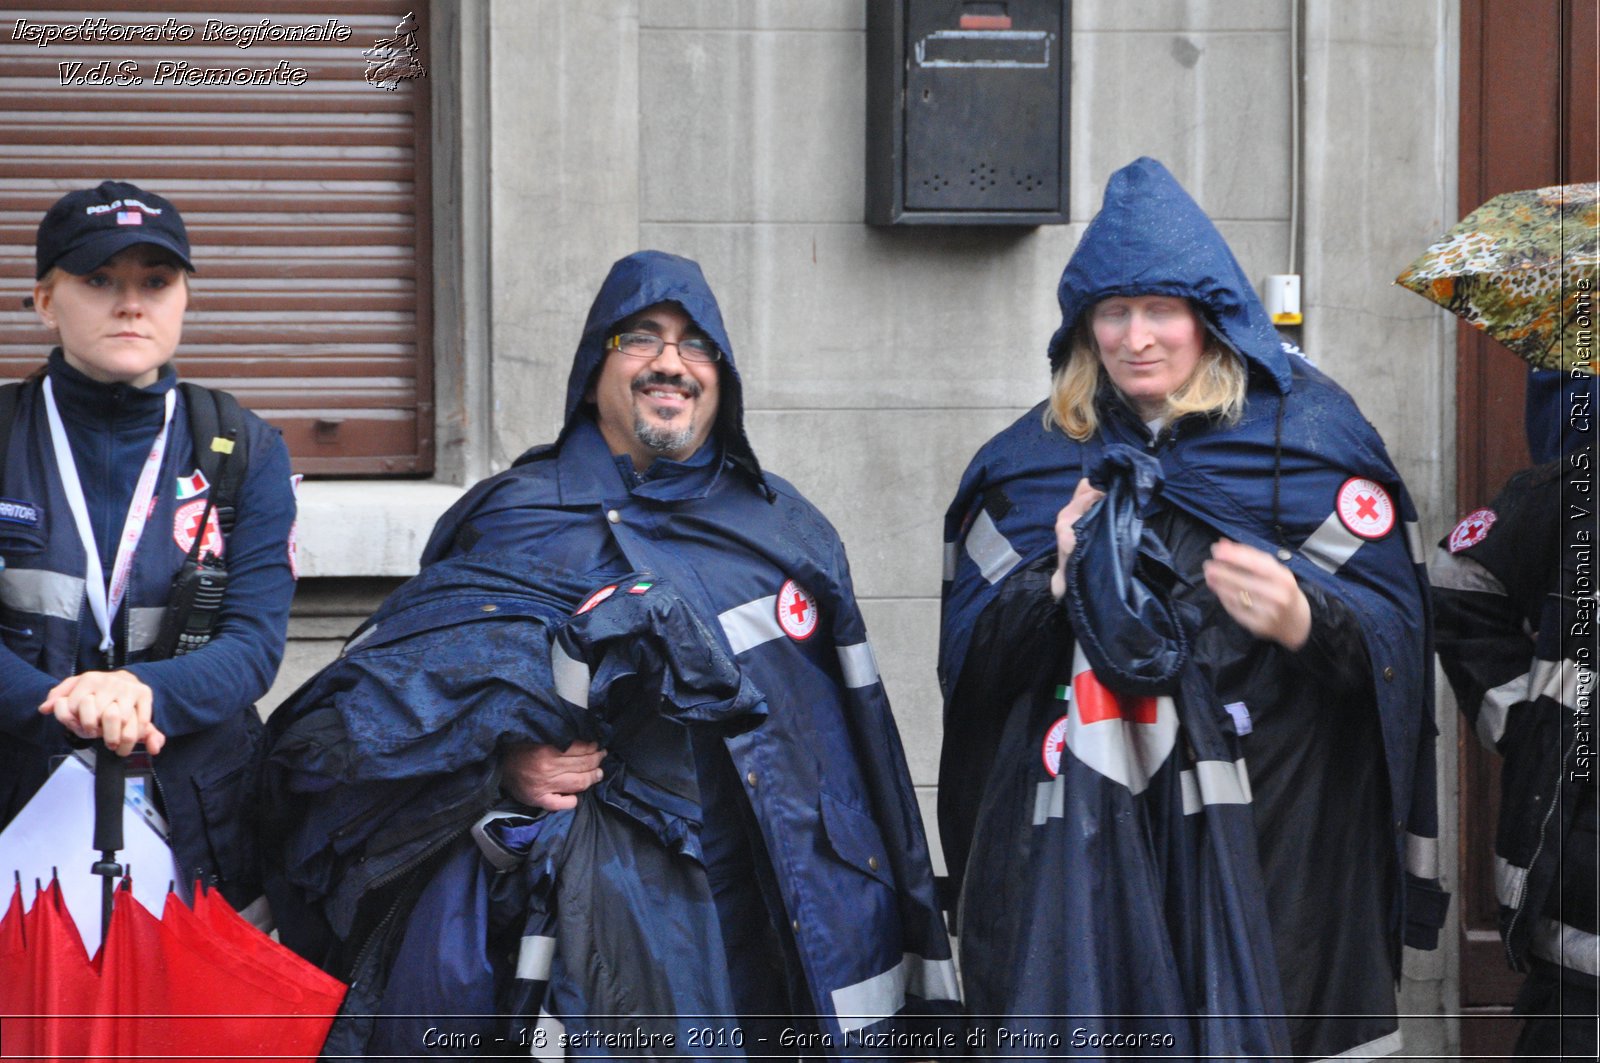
(1303, 476)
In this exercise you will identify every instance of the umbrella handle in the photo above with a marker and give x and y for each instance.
(110, 776)
(110, 783)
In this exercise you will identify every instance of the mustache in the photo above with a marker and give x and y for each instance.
(654, 379)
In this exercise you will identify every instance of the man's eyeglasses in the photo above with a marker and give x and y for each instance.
(649, 345)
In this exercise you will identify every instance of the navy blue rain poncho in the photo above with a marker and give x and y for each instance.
(1302, 476)
(811, 837)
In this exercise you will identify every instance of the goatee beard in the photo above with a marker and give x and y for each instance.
(662, 439)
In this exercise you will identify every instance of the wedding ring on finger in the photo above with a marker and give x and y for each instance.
(1245, 600)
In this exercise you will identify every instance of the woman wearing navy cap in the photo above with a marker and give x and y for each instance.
(105, 502)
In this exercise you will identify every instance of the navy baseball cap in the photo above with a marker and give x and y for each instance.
(86, 227)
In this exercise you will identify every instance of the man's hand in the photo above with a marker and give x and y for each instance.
(115, 707)
(550, 778)
(1083, 498)
(1259, 592)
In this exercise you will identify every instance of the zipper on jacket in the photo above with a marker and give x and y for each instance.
(1544, 824)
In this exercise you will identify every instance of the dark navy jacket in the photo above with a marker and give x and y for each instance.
(204, 701)
(825, 775)
(1274, 481)
(383, 759)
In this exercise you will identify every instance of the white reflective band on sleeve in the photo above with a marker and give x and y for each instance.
(882, 995)
(1331, 545)
(258, 913)
(1452, 573)
(1574, 949)
(1049, 801)
(572, 677)
(535, 957)
(952, 551)
(144, 626)
(547, 1035)
(931, 979)
(990, 550)
(1214, 782)
(1561, 681)
(1495, 706)
(751, 624)
(859, 665)
(1509, 882)
(1414, 545)
(33, 590)
(359, 639)
(1422, 856)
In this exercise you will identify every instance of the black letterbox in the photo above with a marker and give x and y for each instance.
(967, 112)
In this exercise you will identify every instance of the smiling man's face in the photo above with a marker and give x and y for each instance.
(663, 406)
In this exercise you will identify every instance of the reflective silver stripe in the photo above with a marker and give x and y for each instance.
(1496, 705)
(1331, 545)
(952, 551)
(258, 913)
(931, 979)
(1414, 545)
(751, 624)
(1214, 782)
(990, 550)
(1049, 801)
(1380, 1046)
(359, 639)
(1452, 573)
(1561, 681)
(1574, 949)
(548, 1046)
(1422, 856)
(535, 957)
(571, 676)
(859, 665)
(1509, 882)
(882, 995)
(144, 625)
(37, 590)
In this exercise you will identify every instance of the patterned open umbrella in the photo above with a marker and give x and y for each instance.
(1523, 268)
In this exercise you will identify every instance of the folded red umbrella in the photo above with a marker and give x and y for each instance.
(13, 988)
(193, 987)
(51, 987)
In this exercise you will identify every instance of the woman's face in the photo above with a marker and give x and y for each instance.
(120, 323)
(1149, 345)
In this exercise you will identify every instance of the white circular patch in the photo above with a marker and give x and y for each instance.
(797, 612)
(1473, 529)
(1365, 508)
(595, 599)
(186, 525)
(1055, 743)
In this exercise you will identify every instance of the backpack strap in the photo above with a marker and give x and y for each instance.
(8, 412)
(221, 448)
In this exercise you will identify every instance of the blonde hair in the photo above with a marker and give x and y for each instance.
(1216, 388)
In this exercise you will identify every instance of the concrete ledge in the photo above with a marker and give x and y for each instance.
(360, 528)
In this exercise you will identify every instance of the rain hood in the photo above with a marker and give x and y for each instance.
(1151, 238)
(642, 280)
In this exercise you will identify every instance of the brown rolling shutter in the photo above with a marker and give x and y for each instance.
(307, 205)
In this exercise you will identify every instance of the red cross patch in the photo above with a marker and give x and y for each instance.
(797, 611)
(1473, 529)
(1365, 508)
(1055, 743)
(186, 525)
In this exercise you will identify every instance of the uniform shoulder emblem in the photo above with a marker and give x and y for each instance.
(1473, 529)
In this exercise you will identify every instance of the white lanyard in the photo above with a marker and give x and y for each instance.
(103, 601)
